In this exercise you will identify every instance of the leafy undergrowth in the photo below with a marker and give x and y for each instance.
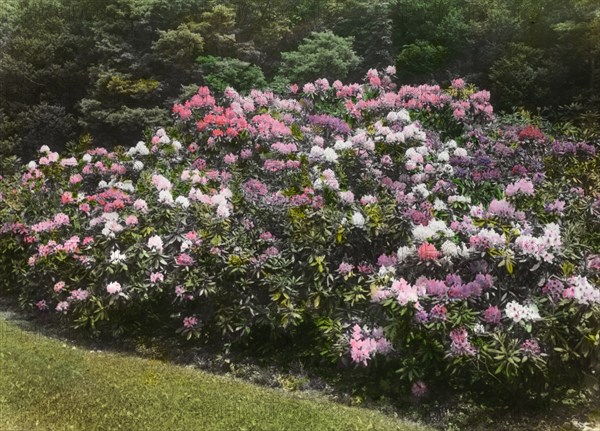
(51, 385)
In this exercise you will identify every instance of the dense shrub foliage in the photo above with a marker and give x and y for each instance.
(404, 228)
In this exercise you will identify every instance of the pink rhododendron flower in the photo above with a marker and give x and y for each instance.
(267, 236)
(459, 113)
(156, 277)
(184, 259)
(530, 347)
(161, 182)
(582, 291)
(364, 344)
(72, 161)
(62, 307)
(67, 198)
(230, 159)
(428, 252)
(190, 322)
(347, 197)
(593, 262)
(131, 220)
(141, 205)
(345, 268)
(114, 288)
(523, 186)
(419, 389)
(438, 312)
(492, 315)
(75, 179)
(61, 219)
(59, 286)
(460, 343)
(79, 295)
(554, 288)
(458, 83)
(404, 292)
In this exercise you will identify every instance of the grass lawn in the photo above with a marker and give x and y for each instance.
(46, 384)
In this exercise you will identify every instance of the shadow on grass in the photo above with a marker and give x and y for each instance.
(48, 384)
(63, 351)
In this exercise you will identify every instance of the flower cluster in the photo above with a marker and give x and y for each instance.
(365, 344)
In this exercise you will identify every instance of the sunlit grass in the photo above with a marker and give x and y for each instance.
(46, 384)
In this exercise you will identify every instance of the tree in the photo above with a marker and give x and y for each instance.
(41, 74)
(320, 55)
(522, 77)
(121, 107)
(420, 60)
(217, 25)
(180, 46)
(219, 73)
(370, 24)
(44, 124)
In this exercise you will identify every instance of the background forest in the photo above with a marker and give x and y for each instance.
(106, 70)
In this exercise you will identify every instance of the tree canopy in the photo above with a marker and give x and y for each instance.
(121, 63)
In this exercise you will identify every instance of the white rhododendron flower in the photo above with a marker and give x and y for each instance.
(155, 243)
(450, 249)
(183, 202)
(460, 152)
(142, 149)
(439, 205)
(358, 219)
(405, 252)
(117, 257)
(443, 156)
(223, 211)
(342, 145)
(330, 155)
(165, 197)
(517, 312)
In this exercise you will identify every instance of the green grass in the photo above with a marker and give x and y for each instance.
(46, 384)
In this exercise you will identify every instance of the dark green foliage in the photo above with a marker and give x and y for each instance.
(60, 52)
(523, 76)
(370, 24)
(180, 46)
(418, 61)
(44, 124)
(321, 55)
(220, 73)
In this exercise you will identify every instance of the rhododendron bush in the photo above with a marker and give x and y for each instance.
(401, 228)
